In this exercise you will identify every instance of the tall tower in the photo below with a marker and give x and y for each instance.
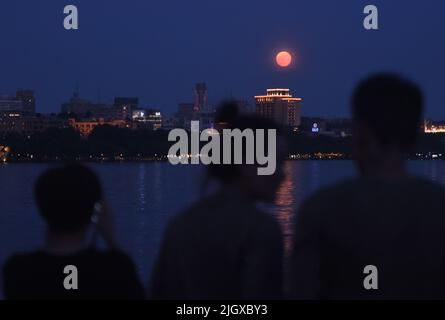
(280, 106)
(200, 97)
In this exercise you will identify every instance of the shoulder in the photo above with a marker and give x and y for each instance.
(329, 202)
(204, 211)
(217, 213)
(19, 267)
(326, 196)
(198, 209)
(20, 260)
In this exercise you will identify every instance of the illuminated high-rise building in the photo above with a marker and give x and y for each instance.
(280, 106)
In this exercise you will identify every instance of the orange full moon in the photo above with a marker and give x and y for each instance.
(283, 59)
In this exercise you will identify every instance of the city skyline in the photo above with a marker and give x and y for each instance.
(10, 101)
(147, 50)
(31, 107)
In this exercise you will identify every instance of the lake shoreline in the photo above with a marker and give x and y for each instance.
(147, 160)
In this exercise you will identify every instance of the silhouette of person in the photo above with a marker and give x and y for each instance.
(67, 198)
(385, 218)
(223, 246)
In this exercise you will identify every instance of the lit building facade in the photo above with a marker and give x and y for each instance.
(147, 119)
(86, 127)
(29, 125)
(433, 127)
(4, 150)
(279, 105)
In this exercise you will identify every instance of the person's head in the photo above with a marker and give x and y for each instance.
(66, 197)
(386, 110)
(226, 113)
(245, 176)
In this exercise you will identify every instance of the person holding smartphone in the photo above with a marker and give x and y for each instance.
(68, 266)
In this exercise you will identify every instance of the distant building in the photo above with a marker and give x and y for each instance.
(206, 119)
(85, 127)
(185, 110)
(138, 114)
(147, 119)
(8, 103)
(341, 127)
(169, 123)
(201, 99)
(280, 106)
(29, 124)
(4, 150)
(28, 100)
(76, 105)
(102, 111)
(124, 107)
(23, 102)
(154, 119)
(195, 111)
(338, 127)
(85, 109)
(433, 126)
(313, 125)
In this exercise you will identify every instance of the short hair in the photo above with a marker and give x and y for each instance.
(66, 197)
(227, 111)
(391, 107)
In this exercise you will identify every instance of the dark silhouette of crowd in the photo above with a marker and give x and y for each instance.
(376, 236)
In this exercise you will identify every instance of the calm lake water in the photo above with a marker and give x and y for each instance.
(146, 195)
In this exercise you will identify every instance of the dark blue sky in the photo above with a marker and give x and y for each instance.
(157, 50)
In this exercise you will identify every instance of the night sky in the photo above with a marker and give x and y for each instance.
(157, 50)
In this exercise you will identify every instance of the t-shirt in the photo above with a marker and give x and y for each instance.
(100, 275)
(371, 238)
(222, 247)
